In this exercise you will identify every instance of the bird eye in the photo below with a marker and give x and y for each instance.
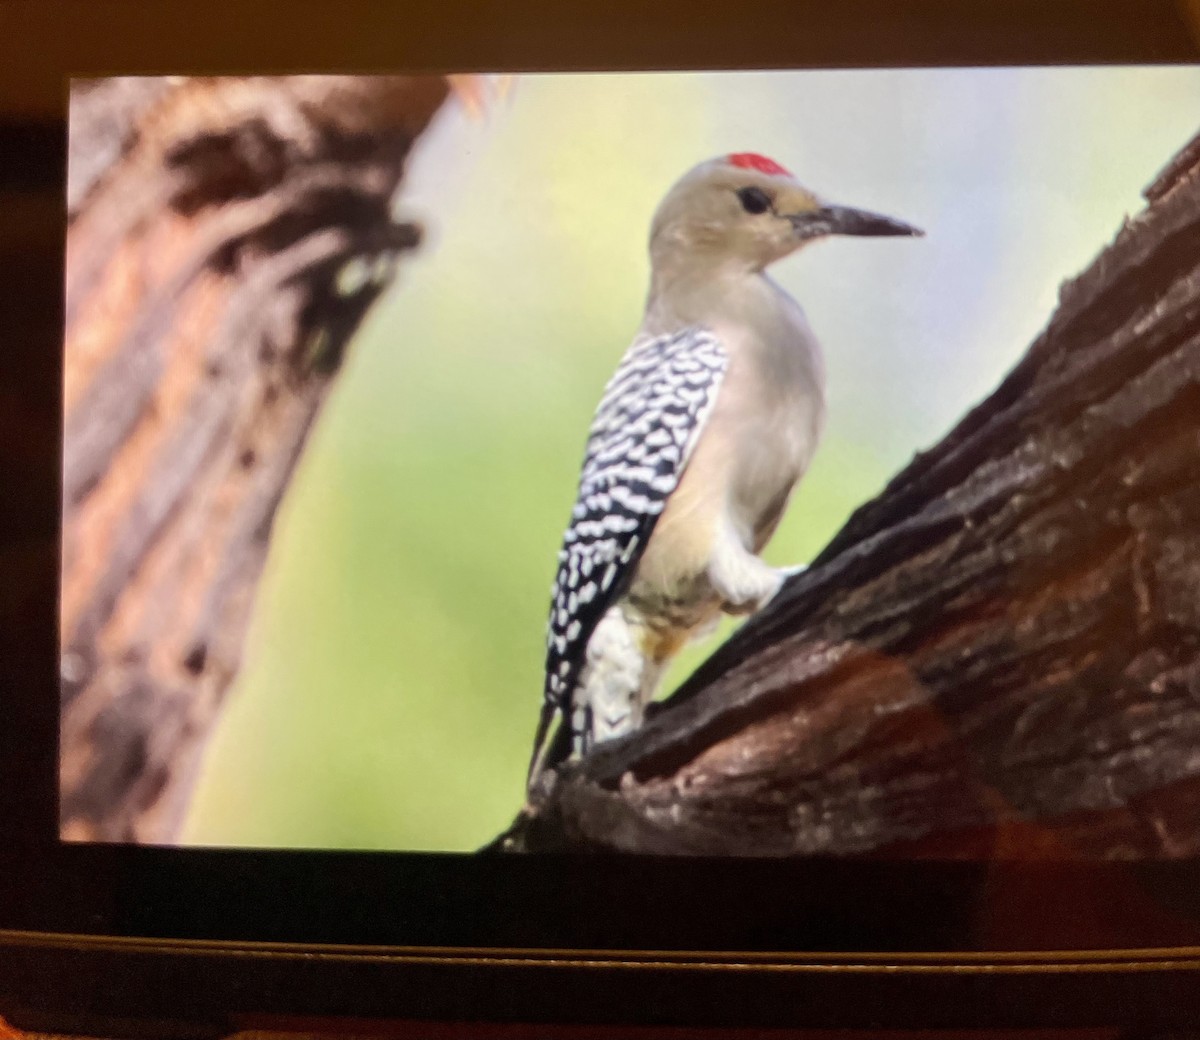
(754, 200)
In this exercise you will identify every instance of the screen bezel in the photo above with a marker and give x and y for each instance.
(466, 906)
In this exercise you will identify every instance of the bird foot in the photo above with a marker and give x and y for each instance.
(744, 583)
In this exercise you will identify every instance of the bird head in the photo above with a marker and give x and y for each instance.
(747, 209)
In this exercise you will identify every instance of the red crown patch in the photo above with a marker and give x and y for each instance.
(754, 161)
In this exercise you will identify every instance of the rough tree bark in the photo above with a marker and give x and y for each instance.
(1000, 655)
(226, 238)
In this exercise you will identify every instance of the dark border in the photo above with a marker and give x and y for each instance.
(603, 902)
(75, 913)
(167, 989)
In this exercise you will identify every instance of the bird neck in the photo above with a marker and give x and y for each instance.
(704, 294)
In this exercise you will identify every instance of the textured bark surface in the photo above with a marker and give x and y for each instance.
(1000, 655)
(226, 239)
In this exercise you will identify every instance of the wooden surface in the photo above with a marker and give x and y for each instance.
(226, 239)
(1000, 655)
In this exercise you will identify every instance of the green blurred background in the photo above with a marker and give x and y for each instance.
(393, 670)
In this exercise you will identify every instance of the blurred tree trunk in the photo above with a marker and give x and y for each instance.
(1000, 655)
(226, 238)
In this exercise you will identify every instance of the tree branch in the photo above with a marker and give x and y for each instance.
(207, 313)
(1000, 655)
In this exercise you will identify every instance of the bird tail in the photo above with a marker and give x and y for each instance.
(547, 753)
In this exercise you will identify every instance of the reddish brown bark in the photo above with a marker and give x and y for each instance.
(210, 221)
(1000, 655)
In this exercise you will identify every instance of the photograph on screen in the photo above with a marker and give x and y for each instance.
(758, 463)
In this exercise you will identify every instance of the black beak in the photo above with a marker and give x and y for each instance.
(842, 220)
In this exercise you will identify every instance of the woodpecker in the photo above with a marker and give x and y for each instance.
(702, 433)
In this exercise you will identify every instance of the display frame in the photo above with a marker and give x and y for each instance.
(820, 943)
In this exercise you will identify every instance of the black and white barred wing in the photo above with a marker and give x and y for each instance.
(648, 422)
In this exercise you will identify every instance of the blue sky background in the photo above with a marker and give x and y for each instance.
(393, 673)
